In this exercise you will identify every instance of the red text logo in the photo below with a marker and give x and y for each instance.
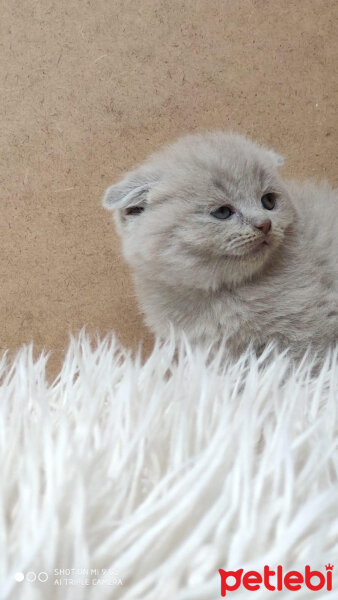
(276, 579)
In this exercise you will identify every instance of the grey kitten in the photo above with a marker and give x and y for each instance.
(221, 247)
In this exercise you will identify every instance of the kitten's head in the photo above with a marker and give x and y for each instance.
(208, 210)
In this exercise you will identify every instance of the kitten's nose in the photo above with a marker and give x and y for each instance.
(264, 226)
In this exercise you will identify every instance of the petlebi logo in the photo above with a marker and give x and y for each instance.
(276, 580)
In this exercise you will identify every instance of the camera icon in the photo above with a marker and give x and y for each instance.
(31, 576)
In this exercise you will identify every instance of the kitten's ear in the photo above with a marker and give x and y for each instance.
(130, 191)
(277, 159)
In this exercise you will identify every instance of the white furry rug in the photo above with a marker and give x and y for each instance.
(163, 473)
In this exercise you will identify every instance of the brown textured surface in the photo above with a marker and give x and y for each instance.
(90, 88)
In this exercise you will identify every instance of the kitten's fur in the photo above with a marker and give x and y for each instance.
(202, 274)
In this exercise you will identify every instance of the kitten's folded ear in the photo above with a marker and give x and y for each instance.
(130, 191)
(277, 159)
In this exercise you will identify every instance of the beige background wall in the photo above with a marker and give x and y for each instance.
(91, 87)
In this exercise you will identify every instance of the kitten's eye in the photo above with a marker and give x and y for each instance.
(269, 201)
(134, 210)
(223, 212)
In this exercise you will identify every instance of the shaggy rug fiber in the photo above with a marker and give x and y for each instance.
(140, 481)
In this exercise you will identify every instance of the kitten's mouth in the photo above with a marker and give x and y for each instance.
(258, 248)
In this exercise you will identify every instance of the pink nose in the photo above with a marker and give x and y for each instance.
(264, 226)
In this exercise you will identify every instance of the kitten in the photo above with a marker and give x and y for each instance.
(221, 247)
